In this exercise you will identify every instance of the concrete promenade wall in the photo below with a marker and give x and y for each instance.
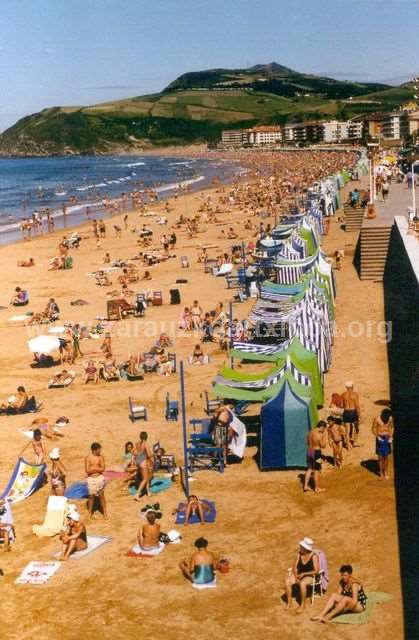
(401, 295)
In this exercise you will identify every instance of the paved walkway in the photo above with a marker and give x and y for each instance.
(398, 201)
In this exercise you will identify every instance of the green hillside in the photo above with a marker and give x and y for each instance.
(187, 112)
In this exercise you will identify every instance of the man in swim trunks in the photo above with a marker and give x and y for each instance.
(336, 434)
(383, 429)
(316, 441)
(351, 414)
(94, 465)
(200, 568)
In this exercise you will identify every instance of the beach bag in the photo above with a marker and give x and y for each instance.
(223, 565)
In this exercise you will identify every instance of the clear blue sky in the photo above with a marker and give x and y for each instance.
(55, 52)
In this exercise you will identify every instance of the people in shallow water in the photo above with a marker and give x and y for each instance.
(200, 568)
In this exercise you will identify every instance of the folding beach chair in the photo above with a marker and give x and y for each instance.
(172, 409)
(211, 405)
(137, 411)
(113, 310)
(157, 299)
(165, 462)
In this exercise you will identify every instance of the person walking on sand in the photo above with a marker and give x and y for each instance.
(94, 465)
(351, 414)
(383, 430)
(144, 461)
(316, 441)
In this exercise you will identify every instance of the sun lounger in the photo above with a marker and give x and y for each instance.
(54, 517)
(64, 383)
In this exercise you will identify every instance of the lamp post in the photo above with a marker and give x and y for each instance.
(372, 148)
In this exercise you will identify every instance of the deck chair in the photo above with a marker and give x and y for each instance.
(54, 517)
(137, 411)
(200, 434)
(157, 299)
(205, 457)
(165, 462)
(150, 364)
(172, 409)
(184, 262)
(113, 310)
(233, 282)
(65, 383)
(173, 360)
(140, 305)
(321, 579)
(211, 405)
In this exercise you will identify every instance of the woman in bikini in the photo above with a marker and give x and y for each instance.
(74, 538)
(37, 447)
(383, 429)
(350, 598)
(144, 462)
(57, 474)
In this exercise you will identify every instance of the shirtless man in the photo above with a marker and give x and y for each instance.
(316, 441)
(351, 415)
(336, 435)
(383, 430)
(94, 465)
(149, 534)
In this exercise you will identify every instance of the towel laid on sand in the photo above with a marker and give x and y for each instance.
(37, 572)
(157, 485)
(139, 552)
(93, 543)
(207, 585)
(54, 517)
(374, 597)
(77, 491)
(209, 516)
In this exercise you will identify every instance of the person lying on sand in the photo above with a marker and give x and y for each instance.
(42, 423)
(350, 598)
(200, 568)
(26, 263)
(194, 507)
(73, 537)
(148, 536)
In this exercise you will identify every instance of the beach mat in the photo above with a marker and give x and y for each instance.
(209, 516)
(374, 597)
(138, 552)
(114, 474)
(93, 543)
(157, 485)
(37, 572)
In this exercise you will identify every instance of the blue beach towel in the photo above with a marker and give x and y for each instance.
(209, 516)
(157, 485)
(77, 491)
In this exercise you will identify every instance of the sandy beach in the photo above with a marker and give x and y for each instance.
(260, 516)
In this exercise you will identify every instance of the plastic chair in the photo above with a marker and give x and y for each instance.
(137, 411)
(172, 409)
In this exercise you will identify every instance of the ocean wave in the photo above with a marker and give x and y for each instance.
(133, 164)
(179, 185)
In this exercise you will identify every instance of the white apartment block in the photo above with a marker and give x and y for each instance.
(265, 135)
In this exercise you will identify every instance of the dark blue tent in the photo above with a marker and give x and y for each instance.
(285, 422)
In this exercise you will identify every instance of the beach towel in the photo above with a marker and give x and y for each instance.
(77, 491)
(207, 585)
(37, 572)
(111, 474)
(54, 517)
(374, 597)
(157, 485)
(139, 552)
(209, 516)
(26, 478)
(93, 543)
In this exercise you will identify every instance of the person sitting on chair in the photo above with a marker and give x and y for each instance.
(305, 568)
(74, 537)
(91, 373)
(200, 568)
(350, 598)
(149, 534)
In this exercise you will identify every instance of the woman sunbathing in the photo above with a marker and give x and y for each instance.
(91, 373)
(42, 423)
(198, 355)
(74, 537)
(62, 379)
(109, 368)
(194, 507)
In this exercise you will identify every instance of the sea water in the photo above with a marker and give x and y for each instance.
(77, 182)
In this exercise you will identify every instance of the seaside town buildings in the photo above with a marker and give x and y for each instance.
(387, 126)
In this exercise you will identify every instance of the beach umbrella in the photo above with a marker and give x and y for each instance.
(43, 344)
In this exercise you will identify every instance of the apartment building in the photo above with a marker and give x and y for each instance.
(265, 135)
(234, 137)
